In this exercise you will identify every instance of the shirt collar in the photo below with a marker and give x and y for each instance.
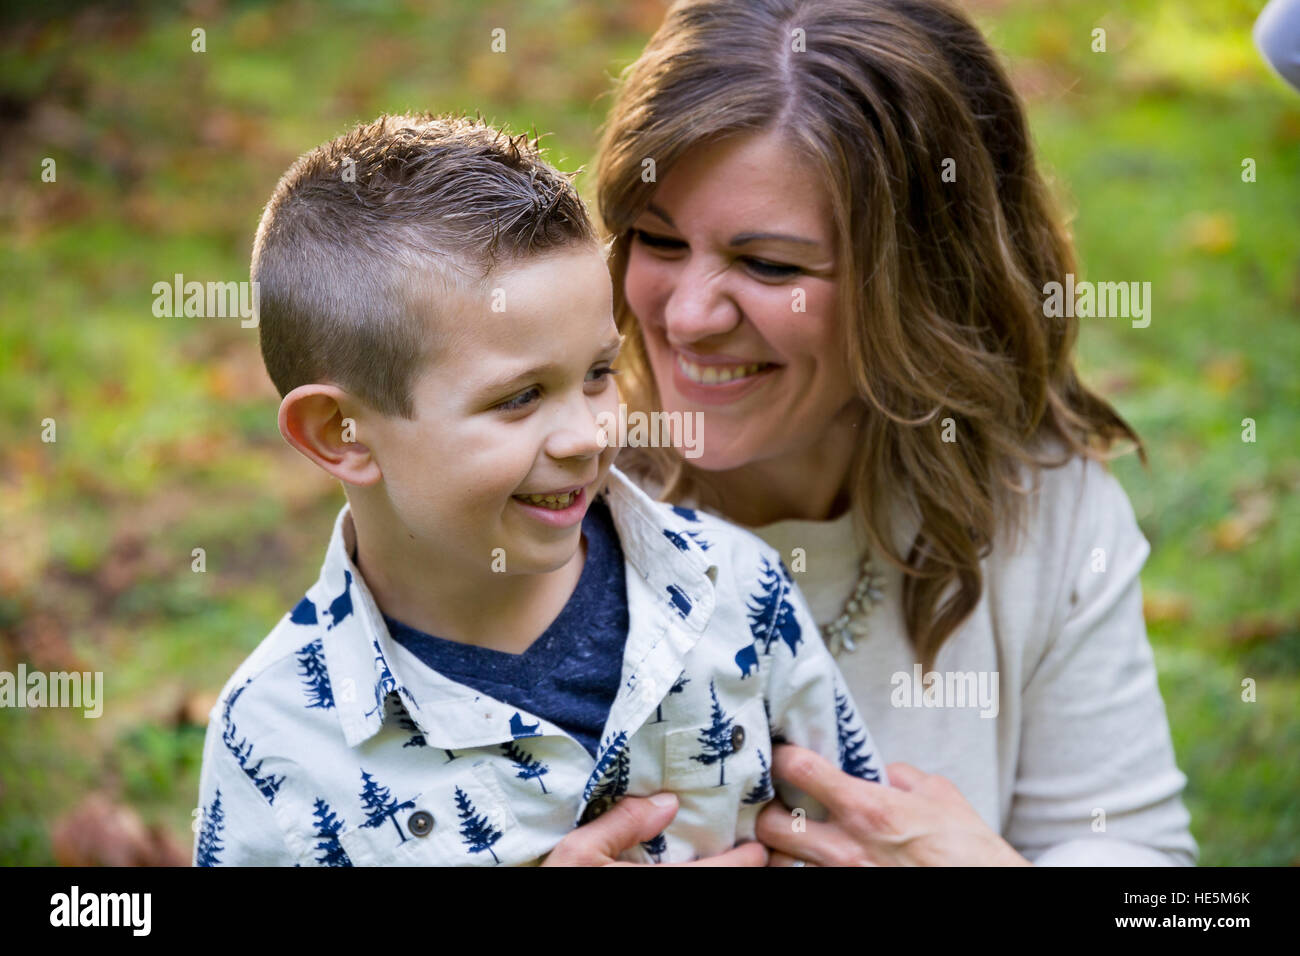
(365, 664)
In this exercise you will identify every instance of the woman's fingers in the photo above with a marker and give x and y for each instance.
(598, 843)
(747, 854)
(816, 776)
(903, 776)
(817, 844)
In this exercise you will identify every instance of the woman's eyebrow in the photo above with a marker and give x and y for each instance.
(745, 237)
(655, 210)
(741, 238)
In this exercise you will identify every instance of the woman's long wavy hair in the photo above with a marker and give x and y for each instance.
(945, 234)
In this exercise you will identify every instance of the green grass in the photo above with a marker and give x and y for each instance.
(166, 432)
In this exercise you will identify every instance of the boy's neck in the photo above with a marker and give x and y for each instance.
(432, 592)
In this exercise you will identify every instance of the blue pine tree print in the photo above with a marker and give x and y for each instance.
(242, 750)
(315, 677)
(381, 805)
(679, 685)
(208, 850)
(611, 763)
(475, 831)
(699, 539)
(687, 513)
(341, 606)
(680, 543)
(785, 572)
(403, 719)
(775, 734)
(616, 778)
(853, 742)
(304, 612)
(530, 768)
(716, 738)
(763, 790)
(681, 603)
(387, 684)
(770, 614)
(656, 846)
(327, 829)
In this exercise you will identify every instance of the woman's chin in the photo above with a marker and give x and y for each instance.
(719, 457)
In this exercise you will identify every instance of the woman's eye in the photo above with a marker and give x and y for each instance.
(657, 242)
(771, 270)
(522, 400)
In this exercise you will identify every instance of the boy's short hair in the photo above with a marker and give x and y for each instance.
(365, 232)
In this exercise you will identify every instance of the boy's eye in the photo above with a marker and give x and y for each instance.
(527, 397)
(522, 400)
(657, 242)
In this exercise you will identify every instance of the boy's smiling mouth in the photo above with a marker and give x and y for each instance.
(562, 499)
(557, 509)
(550, 501)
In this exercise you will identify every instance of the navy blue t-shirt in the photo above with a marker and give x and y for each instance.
(570, 674)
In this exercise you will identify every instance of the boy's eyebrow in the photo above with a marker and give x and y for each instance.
(500, 386)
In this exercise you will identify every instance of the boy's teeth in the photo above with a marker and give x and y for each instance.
(717, 374)
(550, 501)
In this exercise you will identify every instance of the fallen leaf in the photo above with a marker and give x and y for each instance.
(1254, 510)
(1266, 626)
(196, 706)
(99, 832)
(1165, 607)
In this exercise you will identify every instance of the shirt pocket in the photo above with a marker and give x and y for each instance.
(715, 755)
(464, 820)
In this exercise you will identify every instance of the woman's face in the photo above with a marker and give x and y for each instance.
(732, 275)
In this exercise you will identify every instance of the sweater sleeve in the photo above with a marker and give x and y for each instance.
(1097, 783)
(1277, 34)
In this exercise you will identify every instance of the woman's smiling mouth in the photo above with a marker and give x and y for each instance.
(716, 374)
(718, 380)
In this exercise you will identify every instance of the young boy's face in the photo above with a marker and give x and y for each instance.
(506, 409)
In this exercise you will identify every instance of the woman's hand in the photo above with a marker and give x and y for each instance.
(634, 820)
(921, 820)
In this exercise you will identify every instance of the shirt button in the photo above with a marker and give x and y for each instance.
(420, 823)
(596, 808)
(737, 738)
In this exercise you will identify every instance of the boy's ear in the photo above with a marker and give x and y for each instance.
(312, 421)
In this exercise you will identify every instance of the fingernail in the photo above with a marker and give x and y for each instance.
(664, 799)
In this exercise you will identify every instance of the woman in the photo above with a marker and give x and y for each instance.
(831, 239)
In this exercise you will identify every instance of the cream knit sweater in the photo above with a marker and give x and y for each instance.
(1073, 763)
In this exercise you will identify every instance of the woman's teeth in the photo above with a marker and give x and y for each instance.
(555, 502)
(718, 374)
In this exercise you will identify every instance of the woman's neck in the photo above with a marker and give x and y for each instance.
(808, 483)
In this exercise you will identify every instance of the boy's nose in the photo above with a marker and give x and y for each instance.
(577, 433)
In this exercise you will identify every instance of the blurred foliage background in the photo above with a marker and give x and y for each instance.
(166, 427)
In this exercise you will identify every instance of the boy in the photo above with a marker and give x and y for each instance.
(507, 634)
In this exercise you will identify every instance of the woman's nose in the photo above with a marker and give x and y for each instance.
(699, 306)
